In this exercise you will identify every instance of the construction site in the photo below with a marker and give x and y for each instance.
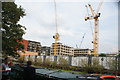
(74, 56)
(49, 46)
(59, 48)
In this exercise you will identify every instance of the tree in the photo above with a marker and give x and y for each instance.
(12, 32)
(119, 55)
(102, 55)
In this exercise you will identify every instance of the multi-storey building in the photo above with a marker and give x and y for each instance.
(45, 50)
(34, 46)
(79, 52)
(62, 50)
(31, 47)
(69, 51)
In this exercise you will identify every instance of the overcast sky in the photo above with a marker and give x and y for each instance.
(40, 23)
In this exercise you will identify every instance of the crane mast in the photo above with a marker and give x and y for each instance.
(96, 34)
(56, 36)
(95, 17)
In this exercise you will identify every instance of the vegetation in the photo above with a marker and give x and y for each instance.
(47, 62)
(102, 55)
(12, 32)
(95, 67)
(112, 64)
(84, 67)
(63, 63)
(38, 62)
(53, 64)
(21, 58)
(30, 59)
(119, 55)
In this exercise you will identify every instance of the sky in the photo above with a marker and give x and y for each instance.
(40, 23)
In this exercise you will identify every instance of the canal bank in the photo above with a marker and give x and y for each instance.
(45, 74)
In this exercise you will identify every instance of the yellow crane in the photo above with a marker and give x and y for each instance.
(56, 36)
(95, 16)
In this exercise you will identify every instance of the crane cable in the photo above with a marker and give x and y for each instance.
(99, 6)
(82, 40)
(89, 20)
(56, 24)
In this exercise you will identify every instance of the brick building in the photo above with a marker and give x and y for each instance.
(31, 48)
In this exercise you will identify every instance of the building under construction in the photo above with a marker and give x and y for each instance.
(64, 50)
(80, 52)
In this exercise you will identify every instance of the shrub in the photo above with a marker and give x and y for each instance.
(96, 65)
(63, 63)
(38, 62)
(112, 64)
(102, 55)
(93, 67)
(119, 55)
(53, 64)
(21, 58)
(30, 59)
(84, 65)
(47, 62)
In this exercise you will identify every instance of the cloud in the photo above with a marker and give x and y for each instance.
(40, 24)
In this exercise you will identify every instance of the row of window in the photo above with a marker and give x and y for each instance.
(61, 46)
(81, 52)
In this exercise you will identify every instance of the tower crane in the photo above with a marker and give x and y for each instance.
(95, 16)
(82, 40)
(56, 36)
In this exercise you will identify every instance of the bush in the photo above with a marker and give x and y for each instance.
(93, 67)
(96, 65)
(63, 63)
(30, 59)
(84, 65)
(21, 58)
(119, 55)
(102, 55)
(54, 64)
(47, 62)
(38, 62)
(112, 64)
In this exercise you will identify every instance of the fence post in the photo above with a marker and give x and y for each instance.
(89, 63)
(44, 58)
(55, 58)
(70, 60)
(89, 60)
(35, 58)
(116, 61)
(0, 36)
(119, 64)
